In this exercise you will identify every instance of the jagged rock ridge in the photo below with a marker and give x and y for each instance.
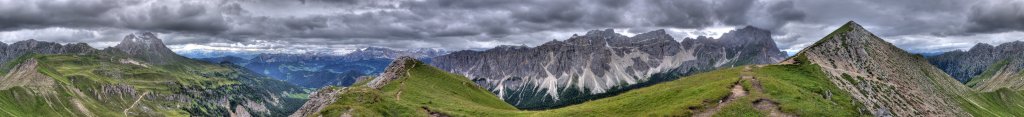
(395, 70)
(559, 73)
(887, 80)
(985, 67)
(17, 49)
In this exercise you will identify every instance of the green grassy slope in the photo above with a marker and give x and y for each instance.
(803, 90)
(999, 103)
(83, 86)
(798, 89)
(424, 88)
(988, 73)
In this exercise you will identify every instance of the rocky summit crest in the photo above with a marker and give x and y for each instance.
(146, 46)
(397, 69)
(886, 79)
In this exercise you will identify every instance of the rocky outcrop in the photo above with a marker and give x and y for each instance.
(25, 75)
(397, 69)
(149, 48)
(886, 79)
(318, 101)
(985, 67)
(575, 70)
(328, 95)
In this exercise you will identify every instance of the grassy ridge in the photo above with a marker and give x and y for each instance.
(425, 88)
(999, 103)
(805, 90)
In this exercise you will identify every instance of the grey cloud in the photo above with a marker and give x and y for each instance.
(733, 12)
(132, 14)
(41, 14)
(463, 24)
(997, 16)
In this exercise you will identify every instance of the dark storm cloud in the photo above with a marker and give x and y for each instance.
(39, 14)
(463, 24)
(180, 17)
(994, 16)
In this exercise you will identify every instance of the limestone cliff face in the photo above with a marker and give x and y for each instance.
(148, 47)
(986, 67)
(575, 70)
(886, 79)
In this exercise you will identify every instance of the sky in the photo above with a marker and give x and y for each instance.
(340, 26)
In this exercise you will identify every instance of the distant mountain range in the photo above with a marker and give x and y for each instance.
(602, 63)
(986, 67)
(314, 70)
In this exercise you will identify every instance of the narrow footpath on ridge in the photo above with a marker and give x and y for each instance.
(738, 91)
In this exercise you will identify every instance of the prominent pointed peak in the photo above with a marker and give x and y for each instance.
(853, 53)
(141, 37)
(147, 46)
(843, 33)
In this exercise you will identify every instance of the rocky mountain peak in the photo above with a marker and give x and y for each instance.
(659, 34)
(147, 46)
(746, 35)
(395, 70)
(141, 39)
(982, 47)
(886, 79)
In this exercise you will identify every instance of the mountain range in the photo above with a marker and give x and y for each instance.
(985, 67)
(138, 77)
(602, 63)
(850, 72)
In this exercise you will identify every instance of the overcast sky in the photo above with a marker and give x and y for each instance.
(342, 25)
